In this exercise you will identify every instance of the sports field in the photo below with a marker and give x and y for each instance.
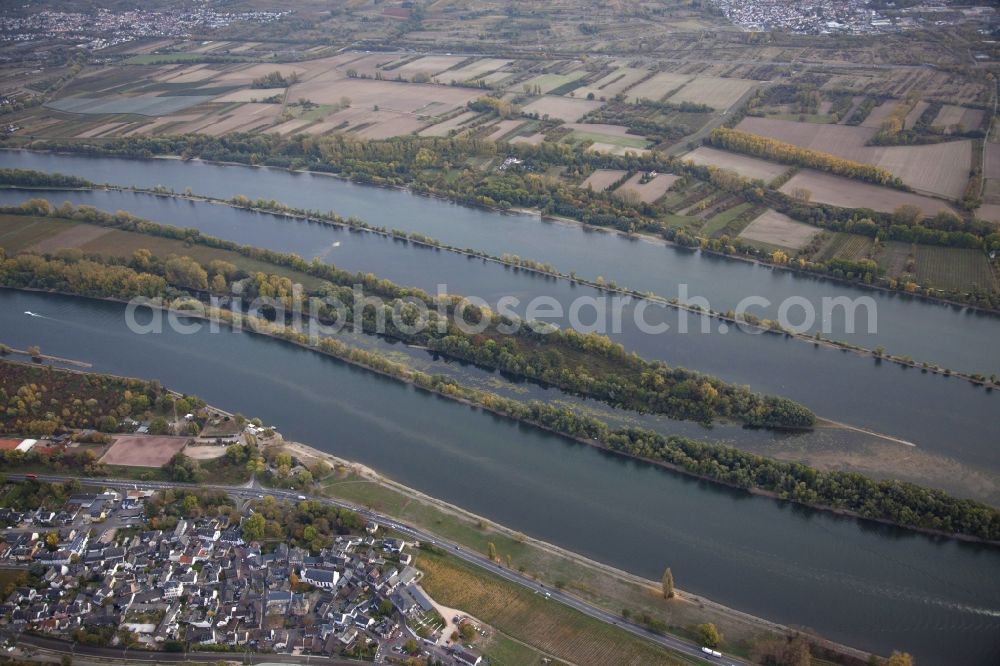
(143, 451)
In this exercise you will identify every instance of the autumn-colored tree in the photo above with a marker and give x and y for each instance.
(900, 659)
(667, 584)
(708, 635)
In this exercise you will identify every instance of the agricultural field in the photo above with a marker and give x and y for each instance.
(457, 123)
(936, 85)
(895, 258)
(73, 235)
(602, 136)
(657, 86)
(842, 245)
(648, 189)
(399, 97)
(241, 118)
(847, 193)
(613, 83)
(728, 222)
(503, 128)
(715, 92)
(774, 228)
(244, 95)
(599, 181)
(989, 212)
(880, 114)
(143, 105)
(219, 99)
(428, 65)
(20, 233)
(748, 167)
(567, 109)
(914, 115)
(940, 169)
(554, 629)
(473, 70)
(951, 116)
(545, 83)
(954, 268)
(531, 139)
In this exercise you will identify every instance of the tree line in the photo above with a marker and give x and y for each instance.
(429, 165)
(585, 364)
(32, 178)
(788, 153)
(898, 502)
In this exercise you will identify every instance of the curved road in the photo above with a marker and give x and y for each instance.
(670, 642)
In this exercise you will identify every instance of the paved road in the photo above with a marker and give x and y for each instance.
(669, 642)
(77, 651)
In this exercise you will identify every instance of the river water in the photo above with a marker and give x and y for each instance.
(867, 585)
(951, 420)
(905, 325)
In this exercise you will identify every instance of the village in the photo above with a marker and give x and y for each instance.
(98, 576)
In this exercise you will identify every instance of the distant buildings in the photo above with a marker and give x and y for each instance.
(103, 27)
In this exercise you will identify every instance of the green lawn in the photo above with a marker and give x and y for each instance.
(576, 136)
(720, 221)
(533, 619)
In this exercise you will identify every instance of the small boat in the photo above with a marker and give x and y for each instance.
(31, 314)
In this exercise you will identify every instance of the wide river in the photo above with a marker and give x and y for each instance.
(951, 421)
(954, 337)
(865, 584)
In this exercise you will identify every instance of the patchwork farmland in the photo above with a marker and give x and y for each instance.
(716, 92)
(941, 169)
(847, 193)
(748, 167)
(648, 189)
